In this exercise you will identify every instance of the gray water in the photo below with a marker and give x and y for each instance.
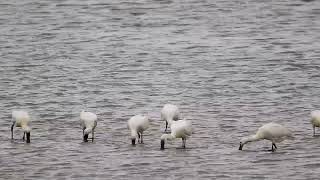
(231, 66)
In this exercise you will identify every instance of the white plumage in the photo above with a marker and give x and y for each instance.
(88, 122)
(21, 119)
(272, 131)
(315, 120)
(170, 113)
(179, 129)
(137, 124)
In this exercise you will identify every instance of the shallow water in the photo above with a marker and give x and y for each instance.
(230, 66)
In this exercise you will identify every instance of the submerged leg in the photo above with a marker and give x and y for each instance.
(184, 143)
(314, 130)
(12, 131)
(24, 134)
(141, 139)
(92, 135)
(274, 144)
(274, 147)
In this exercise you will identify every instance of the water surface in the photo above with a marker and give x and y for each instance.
(231, 66)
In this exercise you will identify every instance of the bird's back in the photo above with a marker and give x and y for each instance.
(170, 112)
(274, 131)
(315, 118)
(181, 128)
(88, 119)
(20, 117)
(139, 122)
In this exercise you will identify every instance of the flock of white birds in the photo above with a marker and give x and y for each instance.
(179, 128)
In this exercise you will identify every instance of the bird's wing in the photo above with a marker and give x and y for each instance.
(274, 131)
(188, 128)
(181, 128)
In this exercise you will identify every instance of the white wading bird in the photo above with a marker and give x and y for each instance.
(315, 120)
(88, 122)
(272, 131)
(137, 124)
(21, 119)
(179, 129)
(170, 113)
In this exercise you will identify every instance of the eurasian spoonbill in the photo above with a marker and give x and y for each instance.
(272, 131)
(88, 122)
(137, 124)
(179, 129)
(170, 113)
(21, 119)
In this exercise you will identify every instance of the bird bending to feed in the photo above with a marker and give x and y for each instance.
(137, 124)
(21, 119)
(272, 131)
(315, 120)
(88, 122)
(179, 129)
(170, 113)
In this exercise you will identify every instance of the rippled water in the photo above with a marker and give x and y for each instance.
(231, 66)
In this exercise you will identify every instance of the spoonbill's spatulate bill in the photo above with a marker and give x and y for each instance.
(315, 120)
(170, 113)
(179, 129)
(137, 124)
(272, 131)
(21, 119)
(88, 122)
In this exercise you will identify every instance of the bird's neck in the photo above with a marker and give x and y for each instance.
(252, 139)
(134, 133)
(88, 130)
(169, 120)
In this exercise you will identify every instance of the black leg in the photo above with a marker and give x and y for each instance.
(12, 130)
(275, 147)
(314, 130)
(141, 139)
(166, 126)
(92, 135)
(184, 143)
(24, 134)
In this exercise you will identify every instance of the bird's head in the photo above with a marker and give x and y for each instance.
(134, 136)
(164, 139)
(86, 134)
(241, 145)
(133, 140)
(27, 130)
(247, 140)
(244, 141)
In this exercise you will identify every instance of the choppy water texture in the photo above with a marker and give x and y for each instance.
(230, 66)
